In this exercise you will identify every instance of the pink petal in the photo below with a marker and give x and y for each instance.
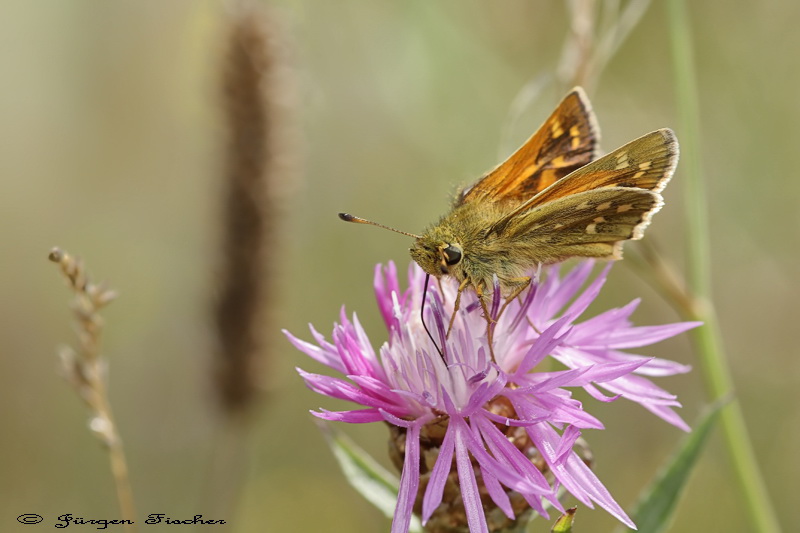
(554, 293)
(409, 482)
(328, 358)
(361, 416)
(598, 326)
(568, 439)
(595, 393)
(635, 337)
(542, 346)
(510, 456)
(668, 415)
(343, 390)
(441, 469)
(496, 492)
(654, 367)
(576, 477)
(469, 487)
(588, 295)
(385, 283)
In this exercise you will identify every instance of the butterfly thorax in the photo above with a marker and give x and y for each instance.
(463, 245)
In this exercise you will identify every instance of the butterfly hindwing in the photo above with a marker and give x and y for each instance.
(587, 224)
(565, 142)
(647, 163)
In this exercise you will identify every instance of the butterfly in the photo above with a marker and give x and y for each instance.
(551, 200)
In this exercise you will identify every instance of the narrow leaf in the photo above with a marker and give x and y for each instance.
(376, 484)
(653, 513)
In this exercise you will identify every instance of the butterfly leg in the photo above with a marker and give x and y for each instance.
(488, 317)
(522, 284)
(455, 306)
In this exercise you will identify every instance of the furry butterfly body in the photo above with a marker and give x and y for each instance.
(551, 200)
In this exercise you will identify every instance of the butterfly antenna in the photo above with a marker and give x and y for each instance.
(347, 217)
(422, 316)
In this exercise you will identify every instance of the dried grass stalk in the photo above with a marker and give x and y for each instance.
(86, 370)
(255, 181)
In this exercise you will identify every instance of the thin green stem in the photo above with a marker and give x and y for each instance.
(226, 474)
(699, 270)
(707, 338)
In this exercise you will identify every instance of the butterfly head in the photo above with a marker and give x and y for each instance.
(436, 255)
(437, 252)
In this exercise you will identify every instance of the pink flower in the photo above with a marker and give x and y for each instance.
(510, 427)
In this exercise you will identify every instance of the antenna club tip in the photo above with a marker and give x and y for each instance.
(347, 217)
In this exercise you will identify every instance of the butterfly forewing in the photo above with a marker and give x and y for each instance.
(565, 142)
(645, 163)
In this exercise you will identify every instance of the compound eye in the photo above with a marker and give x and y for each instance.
(452, 255)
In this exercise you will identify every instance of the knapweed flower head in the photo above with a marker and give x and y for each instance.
(485, 442)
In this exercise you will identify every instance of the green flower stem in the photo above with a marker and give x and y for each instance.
(707, 338)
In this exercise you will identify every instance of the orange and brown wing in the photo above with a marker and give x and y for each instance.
(645, 163)
(565, 142)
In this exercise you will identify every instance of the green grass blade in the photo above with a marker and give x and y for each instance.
(379, 486)
(708, 338)
(653, 513)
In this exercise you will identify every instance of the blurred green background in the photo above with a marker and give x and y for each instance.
(110, 146)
